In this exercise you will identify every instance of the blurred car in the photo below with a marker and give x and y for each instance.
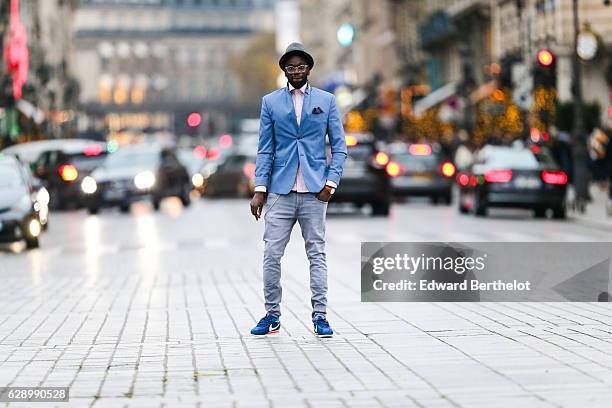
(134, 173)
(62, 166)
(193, 159)
(364, 178)
(232, 177)
(421, 169)
(22, 214)
(516, 176)
(29, 152)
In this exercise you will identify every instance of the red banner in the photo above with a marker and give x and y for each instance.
(16, 50)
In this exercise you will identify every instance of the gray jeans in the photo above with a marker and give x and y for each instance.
(281, 211)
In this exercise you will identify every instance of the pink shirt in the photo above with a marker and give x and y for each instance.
(297, 95)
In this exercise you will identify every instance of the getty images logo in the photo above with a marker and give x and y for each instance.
(413, 264)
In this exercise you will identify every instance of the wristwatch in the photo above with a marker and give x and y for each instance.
(330, 189)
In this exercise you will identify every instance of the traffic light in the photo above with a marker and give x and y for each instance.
(546, 58)
(545, 70)
(345, 34)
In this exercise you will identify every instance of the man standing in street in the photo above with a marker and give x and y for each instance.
(294, 182)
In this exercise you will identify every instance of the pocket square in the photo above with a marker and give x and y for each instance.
(316, 111)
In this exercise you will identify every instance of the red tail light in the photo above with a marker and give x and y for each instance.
(498, 176)
(92, 150)
(554, 177)
(213, 153)
(225, 141)
(68, 172)
(448, 169)
(199, 152)
(393, 169)
(463, 179)
(419, 149)
(249, 169)
(381, 159)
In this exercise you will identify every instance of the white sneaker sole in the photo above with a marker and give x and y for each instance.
(264, 335)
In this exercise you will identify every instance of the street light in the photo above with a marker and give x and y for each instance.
(587, 44)
(579, 151)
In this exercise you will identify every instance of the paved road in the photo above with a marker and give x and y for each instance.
(154, 310)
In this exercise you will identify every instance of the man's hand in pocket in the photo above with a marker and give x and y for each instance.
(324, 195)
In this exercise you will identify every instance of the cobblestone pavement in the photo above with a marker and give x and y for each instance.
(153, 310)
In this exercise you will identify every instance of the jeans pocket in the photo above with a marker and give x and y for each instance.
(270, 201)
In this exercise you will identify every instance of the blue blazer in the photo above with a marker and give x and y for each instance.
(283, 144)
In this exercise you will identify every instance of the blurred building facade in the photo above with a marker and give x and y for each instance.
(393, 34)
(455, 34)
(370, 53)
(458, 52)
(398, 41)
(50, 94)
(146, 64)
(522, 28)
(319, 20)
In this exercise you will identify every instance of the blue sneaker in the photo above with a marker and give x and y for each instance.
(321, 327)
(267, 325)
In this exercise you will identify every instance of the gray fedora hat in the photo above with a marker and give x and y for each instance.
(292, 49)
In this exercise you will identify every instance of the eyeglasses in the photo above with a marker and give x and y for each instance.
(292, 69)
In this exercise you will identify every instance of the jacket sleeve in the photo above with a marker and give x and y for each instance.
(265, 149)
(335, 132)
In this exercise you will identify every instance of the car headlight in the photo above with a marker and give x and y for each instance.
(43, 215)
(34, 228)
(42, 196)
(197, 180)
(144, 180)
(89, 185)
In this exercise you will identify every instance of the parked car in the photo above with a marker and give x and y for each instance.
(364, 179)
(134, 173)
(513, 177)
(61, 165)
(23, 210)
(421, 169)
